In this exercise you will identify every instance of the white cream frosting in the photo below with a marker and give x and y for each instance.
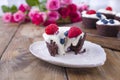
(62, 48)
(92, 15)
(106, 11)
(101, 23)
(118, 14)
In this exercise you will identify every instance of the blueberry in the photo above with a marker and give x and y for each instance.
(111, 21)
(62, 41)
(104, 21)
(98, 15)
(66, 33)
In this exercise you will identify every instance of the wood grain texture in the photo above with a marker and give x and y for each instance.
(19, 64)
(7, 31)
(109, 71)
(108, 42)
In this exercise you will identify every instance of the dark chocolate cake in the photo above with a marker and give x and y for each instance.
(89, 23)
(108, 27)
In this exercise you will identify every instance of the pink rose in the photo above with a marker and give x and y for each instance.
(32, 12)
(19, 16)
(44, 15)
(12, 19)
(64, 12)
(37, 19)
(75, 17)
(53, 15)
(24, 7)
(48, 22)
(53, 4)
(7, 17)
(83, 7)
(72, 7)
(66, 2)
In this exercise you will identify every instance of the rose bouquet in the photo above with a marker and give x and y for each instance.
(44, 12)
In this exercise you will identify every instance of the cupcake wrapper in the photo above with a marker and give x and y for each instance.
(89, 22)
(108, 31)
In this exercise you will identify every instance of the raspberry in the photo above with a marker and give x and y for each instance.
(91, 12)
(51, 29)
(74, 32)
(109, 8)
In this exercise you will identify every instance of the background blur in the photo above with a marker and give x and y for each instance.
(18, 2)
(94, 4)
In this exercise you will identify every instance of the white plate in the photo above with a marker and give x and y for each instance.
(93, 57)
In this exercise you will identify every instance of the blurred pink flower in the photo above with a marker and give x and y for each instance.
(53, 15)
(53, 4)
(37, 19)
(32, 12)
(83, 7)
(72, 7)
(64, 12)
(75, 17)
(12, 19)
(19, 16)
(44, 15)
(66, 2)
(48, 22)
(7, 17)
(24, 7)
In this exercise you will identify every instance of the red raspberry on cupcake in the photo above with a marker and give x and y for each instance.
(74, 32)
(51, 29)
(91, 12)
(109, 8)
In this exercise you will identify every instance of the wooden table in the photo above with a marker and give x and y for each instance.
(17, 63)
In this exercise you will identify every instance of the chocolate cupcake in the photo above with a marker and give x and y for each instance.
(108, 27)
(108, 12)
(61, 40)
(89, 18)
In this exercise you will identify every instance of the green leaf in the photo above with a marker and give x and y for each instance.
(42, 7)
(43, 1)
(5, 8)
(32, 2)
(13, 9)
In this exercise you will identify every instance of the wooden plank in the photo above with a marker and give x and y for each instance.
(108, 42)
(7, 32)
(109, 71)
(111, 43)
(20, 64)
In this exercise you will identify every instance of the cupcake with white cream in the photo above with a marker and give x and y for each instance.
(108, 12)
(90, 18)
(108, 27)
(60, 40)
